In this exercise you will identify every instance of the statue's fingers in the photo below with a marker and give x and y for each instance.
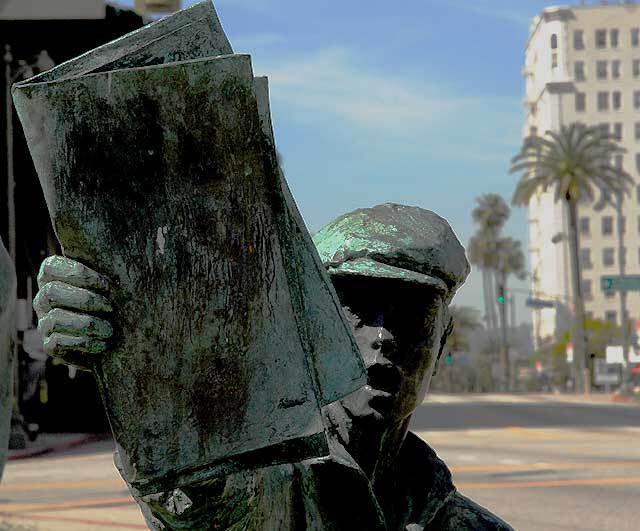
(73, 350)
(61, 345)
(71, 272)
(74, 324)
(58, 294)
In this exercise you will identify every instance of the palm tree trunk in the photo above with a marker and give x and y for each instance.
(581, 380)
(486, 296)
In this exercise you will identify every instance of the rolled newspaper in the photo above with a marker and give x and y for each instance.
(163, 177)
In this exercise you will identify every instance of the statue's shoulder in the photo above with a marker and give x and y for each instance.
(460, 513)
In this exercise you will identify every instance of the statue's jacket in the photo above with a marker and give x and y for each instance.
(328, 494)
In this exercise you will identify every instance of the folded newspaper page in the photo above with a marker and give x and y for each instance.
(157, 161)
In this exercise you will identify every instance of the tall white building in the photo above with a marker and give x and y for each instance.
(582, 64)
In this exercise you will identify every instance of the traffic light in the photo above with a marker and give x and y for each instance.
(449, 359)
(500, 294)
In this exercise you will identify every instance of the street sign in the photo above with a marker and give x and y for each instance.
(539, 303)
(615, 354)
(620, 283)
(605, 373)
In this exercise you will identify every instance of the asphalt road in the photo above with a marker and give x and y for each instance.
(539, 462)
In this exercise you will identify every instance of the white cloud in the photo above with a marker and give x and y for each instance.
(332, 82)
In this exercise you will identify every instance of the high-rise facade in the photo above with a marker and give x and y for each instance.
(582, 64)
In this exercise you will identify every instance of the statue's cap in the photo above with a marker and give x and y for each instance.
(394, 241)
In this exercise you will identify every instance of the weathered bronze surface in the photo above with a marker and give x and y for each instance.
(163, 179)
(7, 329)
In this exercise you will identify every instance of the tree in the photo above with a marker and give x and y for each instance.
(575, 163)
(509, 260)
(490, 214)
(465, 321)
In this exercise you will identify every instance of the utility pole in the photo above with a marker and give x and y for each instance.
(502, 305)
(624, 318)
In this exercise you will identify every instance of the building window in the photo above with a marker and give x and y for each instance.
(636, 100)
(578, 70)
(613, 37)
(637, 130)
(636, 68)
(611, 316)
(581, 102)
(635, 37)
(615, 69)
(578, 39)
(623, 255)
(609, 294)
(585, 226)
(586, 289)
(638, 162)
(554, 41)
(608, 257)
(603, 101)
(607, 226)
(617, 161)
(638, 199)
(617, 127)
(616, 100)
(554, 60)
(623, 224)
(604, 129)
(585, 259)
(601, 69)
(601, 38)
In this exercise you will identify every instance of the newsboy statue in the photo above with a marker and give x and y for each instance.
(395, 269)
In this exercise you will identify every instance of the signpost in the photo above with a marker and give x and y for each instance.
(620, 283)
(532, 302)
(605, 373)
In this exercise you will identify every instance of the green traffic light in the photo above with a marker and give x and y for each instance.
(501, 300)
(449, 359)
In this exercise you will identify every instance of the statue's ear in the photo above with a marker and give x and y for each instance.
(444, 337)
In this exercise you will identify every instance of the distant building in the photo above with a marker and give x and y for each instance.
(582, 64)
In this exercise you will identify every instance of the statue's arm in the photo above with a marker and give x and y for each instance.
(72, 306)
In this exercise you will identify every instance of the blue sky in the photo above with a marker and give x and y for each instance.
(416, 102)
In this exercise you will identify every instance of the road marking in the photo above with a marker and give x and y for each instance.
(100, 523)
(509, 462)
(65, 485)
(542, 466)
(535, 433)
(549, 483)
(12, 507)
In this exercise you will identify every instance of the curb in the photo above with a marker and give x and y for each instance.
(81, 441)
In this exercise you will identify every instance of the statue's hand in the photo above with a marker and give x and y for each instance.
(70, 307)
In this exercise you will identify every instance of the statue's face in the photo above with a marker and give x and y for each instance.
(399, 328)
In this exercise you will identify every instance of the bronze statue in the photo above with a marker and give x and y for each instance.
(395, 269)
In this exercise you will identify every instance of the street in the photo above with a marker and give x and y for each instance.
(540, 462)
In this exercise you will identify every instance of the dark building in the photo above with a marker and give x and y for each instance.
(62, 400)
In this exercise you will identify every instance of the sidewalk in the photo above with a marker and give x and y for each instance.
(47, 443)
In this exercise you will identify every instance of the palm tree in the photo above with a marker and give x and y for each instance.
(490, 215)
(509, 260)
(575, 163)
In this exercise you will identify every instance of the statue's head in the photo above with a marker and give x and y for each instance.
(395, 269)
